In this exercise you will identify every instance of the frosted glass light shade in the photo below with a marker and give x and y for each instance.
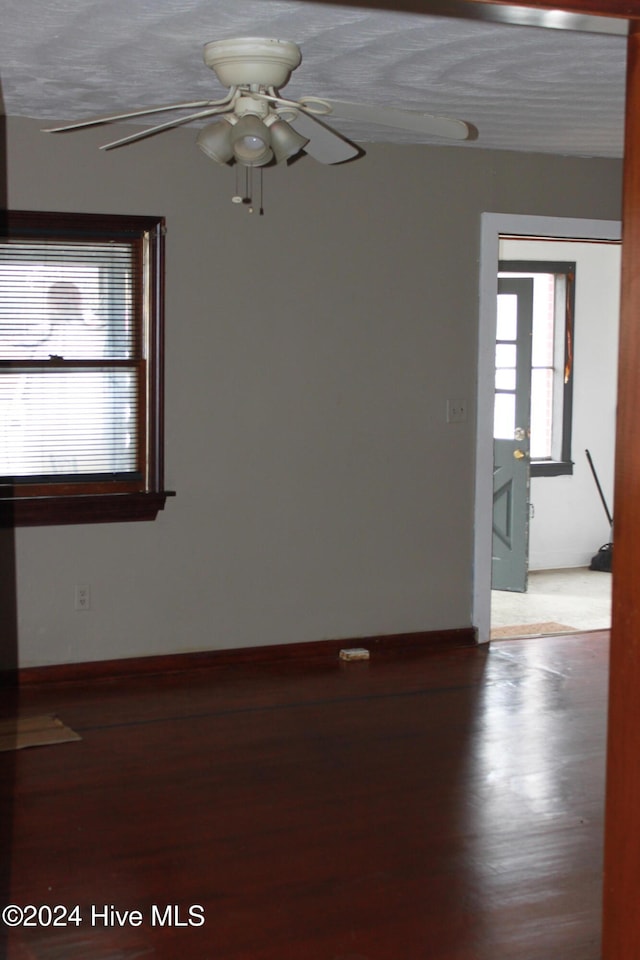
(251, 142)
(285, 141)
(215, 141)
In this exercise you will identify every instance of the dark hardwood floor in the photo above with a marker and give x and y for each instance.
(445, 806)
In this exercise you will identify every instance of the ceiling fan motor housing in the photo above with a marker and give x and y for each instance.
(252, 60)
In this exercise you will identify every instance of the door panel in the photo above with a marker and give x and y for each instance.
(511, 435)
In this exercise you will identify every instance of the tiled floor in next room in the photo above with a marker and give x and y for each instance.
(577, 598)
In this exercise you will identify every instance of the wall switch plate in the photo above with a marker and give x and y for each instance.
(456, 411)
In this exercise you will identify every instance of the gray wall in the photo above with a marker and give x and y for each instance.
(310, 355)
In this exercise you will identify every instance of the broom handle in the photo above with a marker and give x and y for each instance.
(595, 477)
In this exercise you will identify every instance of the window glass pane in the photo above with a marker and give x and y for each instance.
(504, 416)
(58, 423)
(542, 339)
(505, 379)
(507, 328)
(505, 355)
(541, 413)
(68, 300)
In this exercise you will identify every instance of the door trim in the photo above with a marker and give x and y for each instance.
(492, 227)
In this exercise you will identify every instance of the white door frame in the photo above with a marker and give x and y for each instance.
(493, 225)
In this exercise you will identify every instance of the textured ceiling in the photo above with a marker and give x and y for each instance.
(524, 88)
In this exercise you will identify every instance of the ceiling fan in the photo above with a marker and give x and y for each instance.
(256, 126)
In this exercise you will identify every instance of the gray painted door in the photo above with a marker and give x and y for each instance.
(511, 435)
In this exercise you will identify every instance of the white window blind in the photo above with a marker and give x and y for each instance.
(72, 364)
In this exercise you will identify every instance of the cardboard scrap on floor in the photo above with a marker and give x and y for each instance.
(20, 732)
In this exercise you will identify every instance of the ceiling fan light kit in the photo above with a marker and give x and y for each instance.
(256, 126)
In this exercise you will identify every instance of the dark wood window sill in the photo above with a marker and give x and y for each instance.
(92, 508)
(551, 468)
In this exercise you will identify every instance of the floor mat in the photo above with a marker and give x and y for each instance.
(530, 630)
(20, 732)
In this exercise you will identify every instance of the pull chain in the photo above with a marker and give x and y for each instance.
(260, 189)
(244, 192)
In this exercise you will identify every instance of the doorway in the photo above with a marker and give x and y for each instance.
(540, 550)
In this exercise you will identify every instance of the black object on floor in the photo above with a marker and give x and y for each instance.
(603, 559)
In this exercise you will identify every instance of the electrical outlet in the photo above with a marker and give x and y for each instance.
(82, 599)
(456, 411)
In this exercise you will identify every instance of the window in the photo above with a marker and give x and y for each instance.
(81, 378)
(552, 337)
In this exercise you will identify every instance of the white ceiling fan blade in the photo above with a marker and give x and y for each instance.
(150, 131)
(411, 120)
(325, 145)
(114, 117)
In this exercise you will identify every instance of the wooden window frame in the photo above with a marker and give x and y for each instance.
(36, 504)
(563, 466)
